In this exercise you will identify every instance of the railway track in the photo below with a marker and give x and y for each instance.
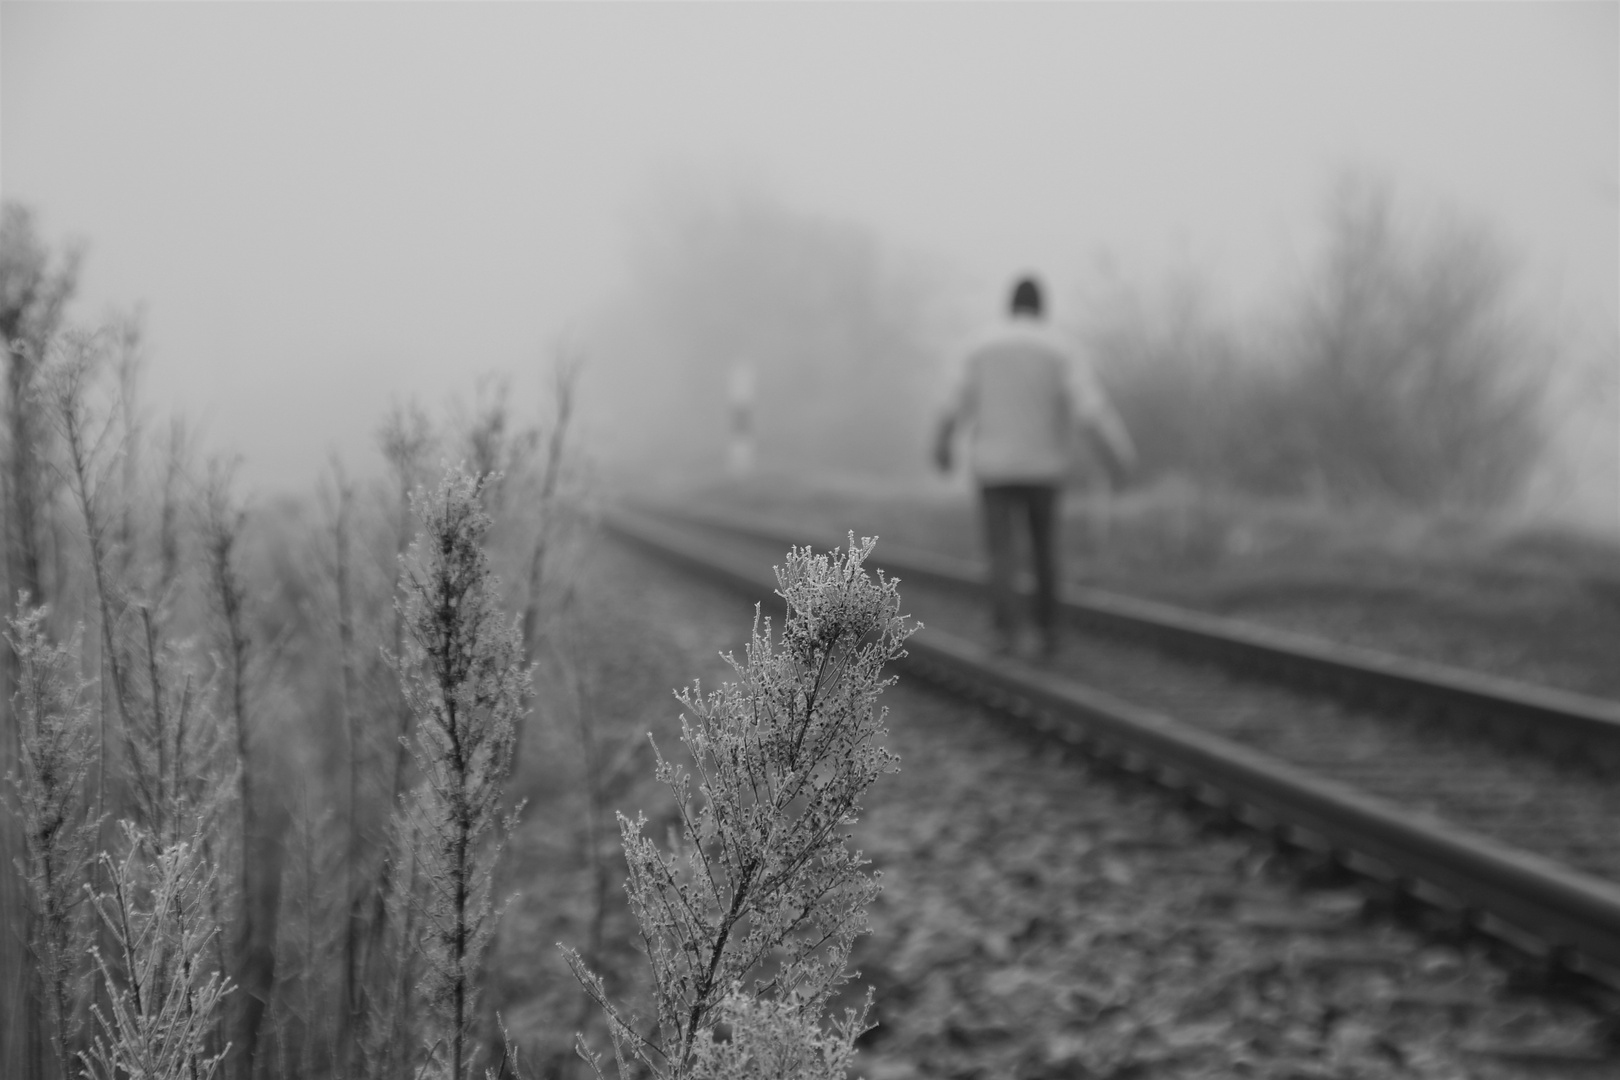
(1565, 727)
(1541, 906)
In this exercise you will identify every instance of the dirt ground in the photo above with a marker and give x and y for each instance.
(1040, 919)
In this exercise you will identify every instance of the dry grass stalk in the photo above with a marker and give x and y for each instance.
(57, 755)
(466, 685)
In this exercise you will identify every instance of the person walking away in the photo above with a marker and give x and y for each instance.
(1031, 412)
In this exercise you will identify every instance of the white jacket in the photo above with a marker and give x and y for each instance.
(1023, 401)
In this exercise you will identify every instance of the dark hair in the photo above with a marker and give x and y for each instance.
(1026, 297)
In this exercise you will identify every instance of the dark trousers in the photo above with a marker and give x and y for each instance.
(1003, 506)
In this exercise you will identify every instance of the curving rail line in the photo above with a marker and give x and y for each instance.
(1539, 907)
(1571, 727)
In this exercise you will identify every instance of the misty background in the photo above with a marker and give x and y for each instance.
(1252, 217)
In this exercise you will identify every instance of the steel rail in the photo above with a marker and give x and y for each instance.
(1529, 902)
(1569, 725)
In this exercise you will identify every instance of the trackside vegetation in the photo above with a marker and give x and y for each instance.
(749, 911)
(265, 759)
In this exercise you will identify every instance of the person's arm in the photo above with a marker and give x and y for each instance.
(942, 441)
(959, 414)
(1101, 423)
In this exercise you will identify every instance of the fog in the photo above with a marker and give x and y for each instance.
(326, 208)
(1348, 274)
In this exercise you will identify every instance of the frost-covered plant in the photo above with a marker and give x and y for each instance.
(749, 918)
(57, 740)
(164, 707)
(384, 1046)
(466, 683)
(405, 439)
(164, 996)
(93, 448)
(239, 663)
(775, 1040)
(182, 772)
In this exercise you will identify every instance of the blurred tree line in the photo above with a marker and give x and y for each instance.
(839, 337)
(1400, 369)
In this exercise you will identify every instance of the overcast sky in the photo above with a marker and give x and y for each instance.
(324, 206)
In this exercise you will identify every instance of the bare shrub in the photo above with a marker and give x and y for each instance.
(1402, 370)
(1416, 378)
(1199, 394)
